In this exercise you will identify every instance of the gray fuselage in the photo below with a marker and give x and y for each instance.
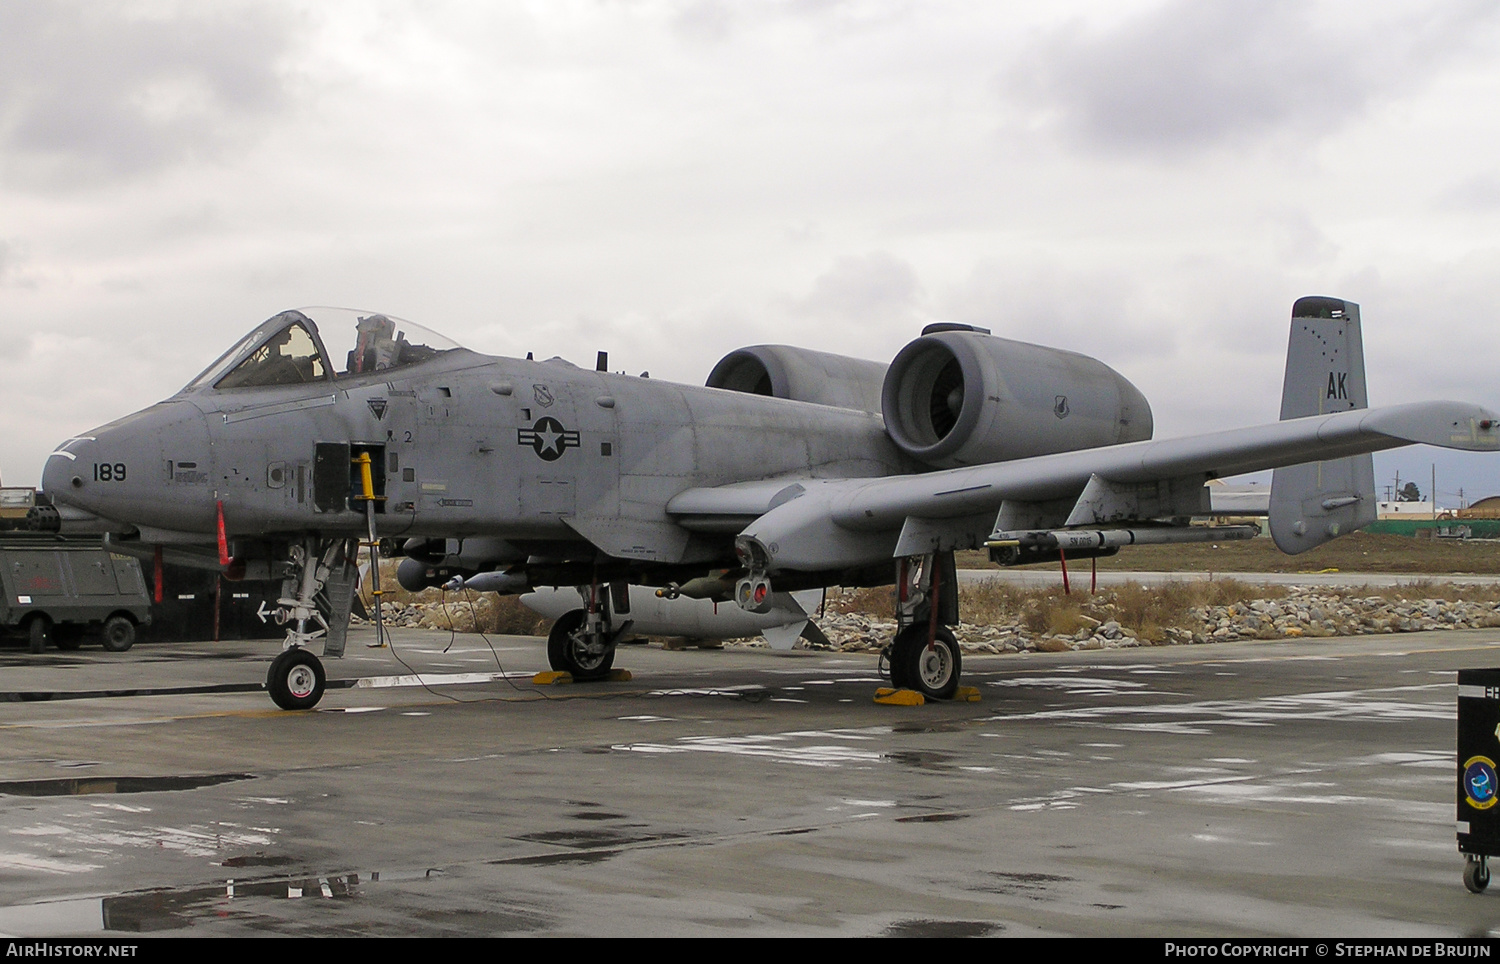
(463, 444)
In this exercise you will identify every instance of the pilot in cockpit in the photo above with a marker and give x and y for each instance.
(376, 345)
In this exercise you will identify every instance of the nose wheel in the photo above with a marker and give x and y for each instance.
(296, 680)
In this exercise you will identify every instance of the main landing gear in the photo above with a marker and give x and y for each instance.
(582, 642)
(925, 656)
(930, 666)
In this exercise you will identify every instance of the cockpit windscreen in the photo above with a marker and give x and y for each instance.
(285, 349)
(289, 357)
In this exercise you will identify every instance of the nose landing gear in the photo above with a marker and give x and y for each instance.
(296, 679)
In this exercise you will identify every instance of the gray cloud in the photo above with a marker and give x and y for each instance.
(702, 20)
(1194, 73)
(1096, 311)
(13, 273)
(92, 92)
(877, 288)
(1479, 194)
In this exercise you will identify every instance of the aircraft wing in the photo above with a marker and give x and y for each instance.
(806, 524)
(955, 492)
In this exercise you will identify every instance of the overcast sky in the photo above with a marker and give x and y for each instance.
(1152, 183)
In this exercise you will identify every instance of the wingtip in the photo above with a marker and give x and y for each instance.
(1451, 425)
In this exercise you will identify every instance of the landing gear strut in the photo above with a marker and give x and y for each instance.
(582, 642)
(925, 656)
(296, 678)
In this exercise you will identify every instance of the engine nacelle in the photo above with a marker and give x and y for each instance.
(955, 398)
(802, 375)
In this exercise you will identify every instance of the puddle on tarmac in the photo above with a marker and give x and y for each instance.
(942, 928)
(588, 839)
(74, 786)
(552, 860)
(181, 909)
(1031, 886)
(778, 747)
(258, 860)
(928, 728)
(921, 759)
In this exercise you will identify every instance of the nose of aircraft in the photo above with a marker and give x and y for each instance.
(122, 471)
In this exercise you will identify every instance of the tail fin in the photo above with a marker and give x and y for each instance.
(1325, 373)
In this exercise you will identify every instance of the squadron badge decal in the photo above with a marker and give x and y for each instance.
(547, 438)
(1479, 782)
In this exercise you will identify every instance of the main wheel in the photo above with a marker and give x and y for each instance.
(1476, 874)
(119, 634)
(568, 650)
(295, 680)
(932, 670)
(39, 632)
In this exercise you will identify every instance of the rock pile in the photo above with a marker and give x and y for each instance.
(1303, 612)
(484, 612)
(1310, 613)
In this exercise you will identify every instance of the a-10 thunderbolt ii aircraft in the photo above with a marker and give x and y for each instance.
(792, 469)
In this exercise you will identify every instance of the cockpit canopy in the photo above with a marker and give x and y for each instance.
(319, 345)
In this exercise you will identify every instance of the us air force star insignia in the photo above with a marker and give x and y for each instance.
(547, 438)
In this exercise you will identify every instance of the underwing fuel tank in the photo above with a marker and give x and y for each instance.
(785, 618)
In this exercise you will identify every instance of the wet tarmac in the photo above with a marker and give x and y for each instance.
(1037, 578)
(1255, 788)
